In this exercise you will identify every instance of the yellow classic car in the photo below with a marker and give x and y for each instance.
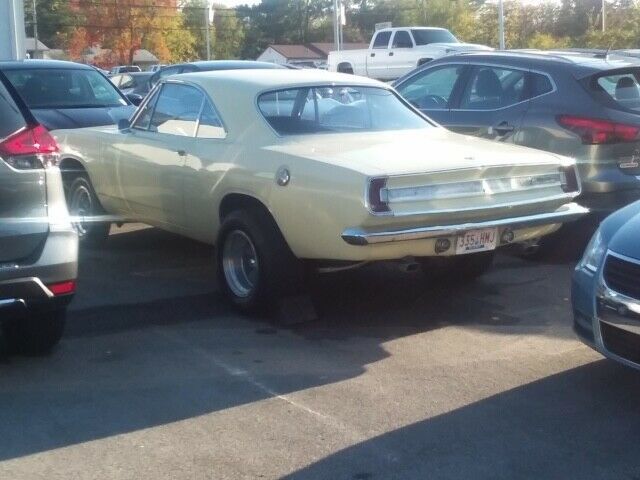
(283, 168)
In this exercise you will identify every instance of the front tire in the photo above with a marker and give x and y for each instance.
(84, 207)
(36, 333)
(255, 265)
(457, 269)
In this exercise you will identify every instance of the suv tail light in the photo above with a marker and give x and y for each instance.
(29, 149)
(595, 131)
(374, 196)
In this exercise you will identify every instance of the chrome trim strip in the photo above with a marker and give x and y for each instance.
(360, 237)
(12, 302)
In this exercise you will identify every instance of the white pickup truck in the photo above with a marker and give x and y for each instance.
(396, 51)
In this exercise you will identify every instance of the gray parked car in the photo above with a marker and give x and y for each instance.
(38, 245)
(580, 105)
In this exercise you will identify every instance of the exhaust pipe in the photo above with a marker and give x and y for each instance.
(408, 265)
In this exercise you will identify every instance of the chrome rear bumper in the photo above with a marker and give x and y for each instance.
(359, 236)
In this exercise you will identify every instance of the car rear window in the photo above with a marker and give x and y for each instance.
(11, 119)
(617, 89)
(337, 109)
(64, 88)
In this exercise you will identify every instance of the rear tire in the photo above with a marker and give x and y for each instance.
(36, 333)
(83, 202)
(459, 269)
(255, 266)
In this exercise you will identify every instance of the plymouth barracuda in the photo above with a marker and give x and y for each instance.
(284, 169)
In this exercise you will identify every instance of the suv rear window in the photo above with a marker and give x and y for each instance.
(619, 89)
(11, 119)
(64, 88)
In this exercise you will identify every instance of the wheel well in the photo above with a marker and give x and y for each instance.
(70, 169)
(345, 67)
(239, 201)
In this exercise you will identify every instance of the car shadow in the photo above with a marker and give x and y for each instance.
(573, 425)
(149, 341)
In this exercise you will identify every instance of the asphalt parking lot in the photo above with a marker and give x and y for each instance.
(156, 378)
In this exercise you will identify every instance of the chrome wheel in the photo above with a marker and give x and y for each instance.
(80, 207)
(240, 263)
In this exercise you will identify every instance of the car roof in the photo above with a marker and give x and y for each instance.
(43, 64)
(582, 63)
(229, 65)
(253, 82)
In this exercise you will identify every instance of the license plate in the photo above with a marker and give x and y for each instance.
(477, 241)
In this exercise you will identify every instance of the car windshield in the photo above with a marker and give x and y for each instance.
(425, 37)
(64, 88)
(337, 109)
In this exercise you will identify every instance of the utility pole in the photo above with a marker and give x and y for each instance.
(336, 25)
(35, 30)
(603, 16)
(501, 23)
(206, 30)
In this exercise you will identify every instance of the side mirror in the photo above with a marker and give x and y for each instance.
(134, 98)
(124, 124)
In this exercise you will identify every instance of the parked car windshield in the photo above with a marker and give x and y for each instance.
(425, 37)
(334, 109)
(620, 88)
(64, 88)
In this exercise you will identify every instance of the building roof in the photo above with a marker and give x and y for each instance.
(298, 51)
(312, 51)
(30, 45)
(144, 56)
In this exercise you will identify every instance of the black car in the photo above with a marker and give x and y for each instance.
(64, 95)
(583, 105)
(134, 85)
(210, 65)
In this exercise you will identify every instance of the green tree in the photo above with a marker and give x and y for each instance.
(229, 34)
(55, 21)
(194, 15)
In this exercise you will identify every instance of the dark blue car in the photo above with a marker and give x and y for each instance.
(606, 288)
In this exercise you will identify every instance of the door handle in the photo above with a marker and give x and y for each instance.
(391, 54)
(182, 153)
(373, 54)
(503, 128)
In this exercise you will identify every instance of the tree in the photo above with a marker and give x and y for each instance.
(229, 34)
(55, 21)
(124, 26)
(194, 15)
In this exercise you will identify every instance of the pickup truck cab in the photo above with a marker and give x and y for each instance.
(396, 51)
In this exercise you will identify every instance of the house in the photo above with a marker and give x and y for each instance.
(310, 54)
(32, 52)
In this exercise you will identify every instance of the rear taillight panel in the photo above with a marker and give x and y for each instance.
(594, 131)
(30, 149)
(377, 204)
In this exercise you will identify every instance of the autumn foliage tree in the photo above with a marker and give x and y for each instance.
(124, 26)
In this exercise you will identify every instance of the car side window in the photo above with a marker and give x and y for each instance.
(143, 119)
(127, 81)
(493, 87)
(402, 39)
(177, 110)
(210, 125)
(115, 79)
(382, 40)
(540, 84)
(432, 89)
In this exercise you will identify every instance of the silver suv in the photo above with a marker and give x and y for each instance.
(38, 245)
